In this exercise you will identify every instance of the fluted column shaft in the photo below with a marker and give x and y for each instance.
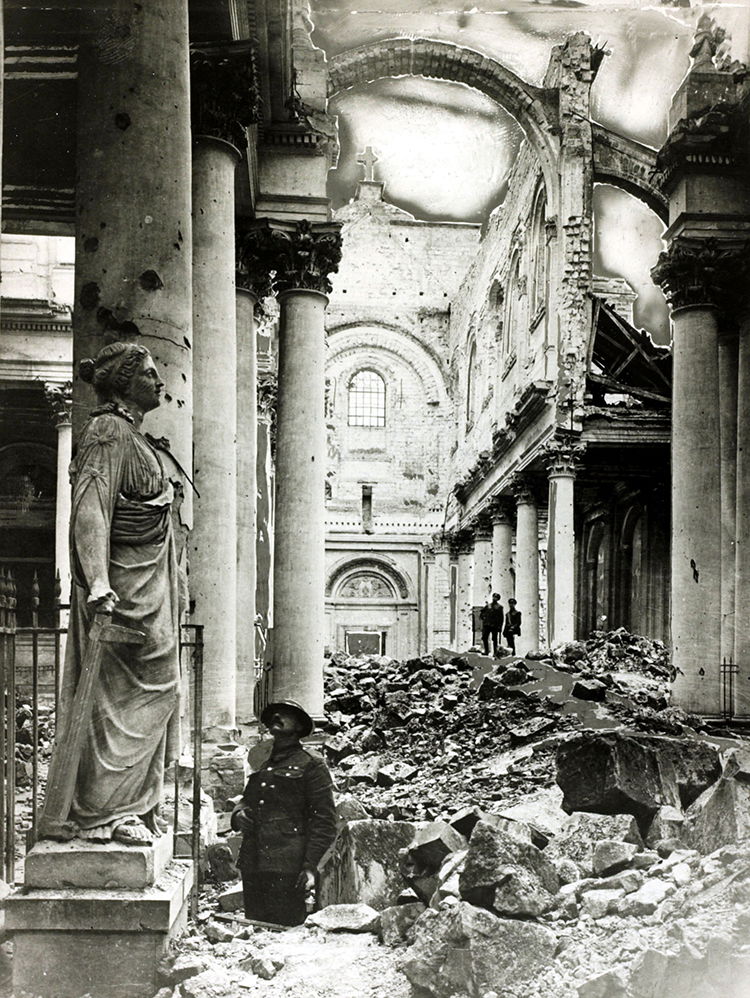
(742, 566)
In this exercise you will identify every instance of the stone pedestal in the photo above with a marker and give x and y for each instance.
(96, 919)
(213, 542)
(247, 434)
(299, 537)
(696, 511)
(502, 555)
(527, 572)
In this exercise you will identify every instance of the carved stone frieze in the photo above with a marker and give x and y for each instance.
(224, 92)
(695, 271)
(701, 143)
(299, 255)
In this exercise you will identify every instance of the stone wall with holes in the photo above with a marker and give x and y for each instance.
(389, 313)
(507, 358)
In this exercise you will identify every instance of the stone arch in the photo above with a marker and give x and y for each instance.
(348, 338)
(379, 566)
(534, 108)
(630, 166)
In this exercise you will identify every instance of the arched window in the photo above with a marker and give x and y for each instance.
(367, 399)
(512, 308)
(471, 382)
(538, 274)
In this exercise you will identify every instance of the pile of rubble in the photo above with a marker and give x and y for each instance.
(420, 738)
(414, 739)
(606, 652)
(630, 878)
(25, 741)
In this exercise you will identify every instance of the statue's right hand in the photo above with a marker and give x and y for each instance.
(102, 599)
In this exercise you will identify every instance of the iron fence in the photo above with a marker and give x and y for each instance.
(31, 665)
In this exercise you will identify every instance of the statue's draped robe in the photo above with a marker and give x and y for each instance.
(133, 730)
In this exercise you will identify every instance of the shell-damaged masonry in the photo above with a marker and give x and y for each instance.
(374, 526)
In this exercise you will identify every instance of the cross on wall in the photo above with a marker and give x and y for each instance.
(368, 159)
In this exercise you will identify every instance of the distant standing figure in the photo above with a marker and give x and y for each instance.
(288, 820)
(512, 627)
(492, 623)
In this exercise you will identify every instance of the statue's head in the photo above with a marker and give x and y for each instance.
(124, 372)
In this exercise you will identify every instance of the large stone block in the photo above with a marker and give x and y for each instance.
(433, 843)
(618, 772)
(719, 817)
(577, 840)
(109, 943)
(506, 874)
(464, 950)
(363, 863)
(107, 865)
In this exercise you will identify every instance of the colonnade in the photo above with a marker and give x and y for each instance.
(158, 261)
(499, 552)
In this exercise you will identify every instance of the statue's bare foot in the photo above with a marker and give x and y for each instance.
(133, 833)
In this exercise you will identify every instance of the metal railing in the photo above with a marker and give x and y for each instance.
(46, 645)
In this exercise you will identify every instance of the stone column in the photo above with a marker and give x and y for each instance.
(742, 578)
(696, 510)
(561, 619)
(64, 425)
(728, 417)
(441, 590)
(302, 254)
(223, 105)
(464, 590)
(427, 607)
(133, 225)
(267, 393)
(247, 448)
(213, 542)
(687, 274)
(60, 402)
(482, 565)
(502, 551)
(527, 565)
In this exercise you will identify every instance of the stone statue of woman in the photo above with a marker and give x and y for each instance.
(123, 560)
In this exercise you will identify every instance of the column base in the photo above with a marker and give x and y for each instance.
(74, 941)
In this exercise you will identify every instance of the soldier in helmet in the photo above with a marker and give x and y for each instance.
(288, 820)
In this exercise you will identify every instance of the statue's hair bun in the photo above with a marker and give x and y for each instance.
(86, 370)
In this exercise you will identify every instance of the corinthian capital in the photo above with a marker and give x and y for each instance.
(523, 489)
(224, 92)
(301, 254)
(563, 457)
(252, 270)
(696, 271)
